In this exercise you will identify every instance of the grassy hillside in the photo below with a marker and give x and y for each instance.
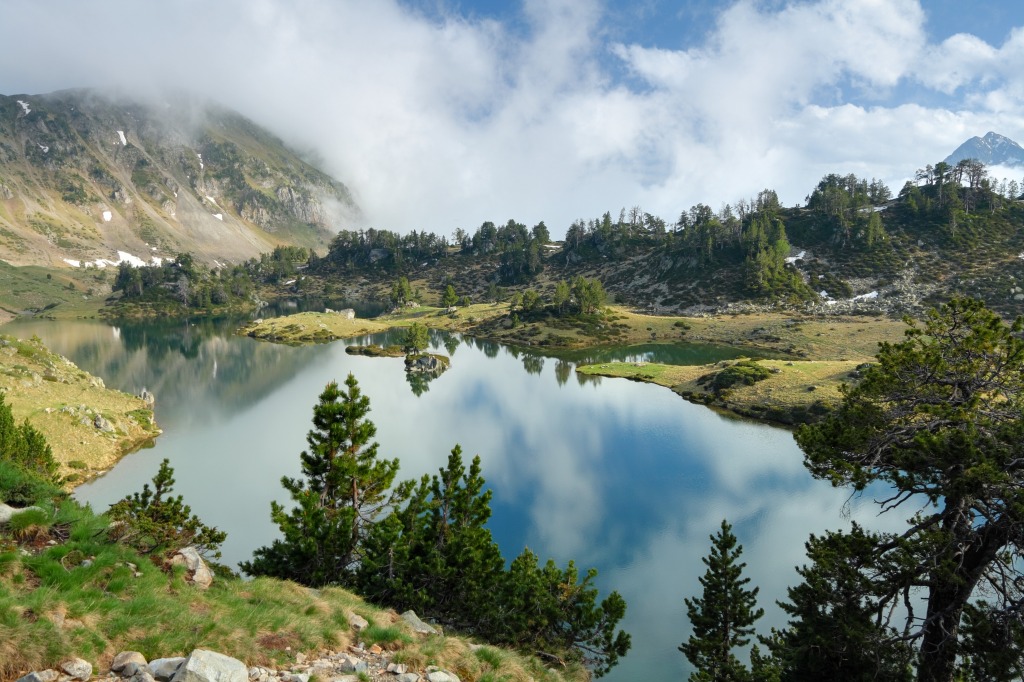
(85, 174)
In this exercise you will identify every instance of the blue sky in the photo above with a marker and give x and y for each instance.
(446, 113)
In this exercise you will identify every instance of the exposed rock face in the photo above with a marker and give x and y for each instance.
(102, 174)
(418, 625)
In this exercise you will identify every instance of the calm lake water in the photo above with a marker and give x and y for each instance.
(626, 477)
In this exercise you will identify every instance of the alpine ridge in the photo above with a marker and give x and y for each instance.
(85, 175)
(992, 150)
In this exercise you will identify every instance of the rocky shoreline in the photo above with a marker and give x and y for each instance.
(357, 663)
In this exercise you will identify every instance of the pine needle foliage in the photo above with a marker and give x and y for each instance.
(723, 616)
(154, 521)
(344, 490)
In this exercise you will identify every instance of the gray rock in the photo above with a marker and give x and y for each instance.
(141, 675)
(163, 669)
(408, 677)
(199, 574)
(296, 677)
(40, 676)
(357, 622)
(349, 664)
(210, 666)
(442, 676)
(131, 669)
(77, 668)
(418, 625)
(102, 424)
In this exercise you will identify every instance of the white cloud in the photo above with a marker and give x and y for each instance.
(439, 123)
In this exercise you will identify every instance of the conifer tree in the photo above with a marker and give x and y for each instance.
(835, 630)
(723, 616)
(344, 491)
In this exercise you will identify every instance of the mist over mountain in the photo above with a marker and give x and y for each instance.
(86, 174)
(992, 150)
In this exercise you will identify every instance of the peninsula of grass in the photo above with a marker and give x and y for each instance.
(814, 355)
(89, 427)
(308, 328)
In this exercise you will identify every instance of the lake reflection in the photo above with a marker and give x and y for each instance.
(623, 476)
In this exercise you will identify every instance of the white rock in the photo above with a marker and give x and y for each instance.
(77, 668)
(210, 666)
(199, 573)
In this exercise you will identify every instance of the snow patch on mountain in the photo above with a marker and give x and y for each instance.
(992, 149)
(124, 140)
(122, 257)
(25, 107)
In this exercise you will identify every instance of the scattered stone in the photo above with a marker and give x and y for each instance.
(442, 676)
(77, 668)
(102, 424)
(125, 657)
(199, 574)
(164, 669)
(7, 512)
(357, 622)
(40, 676)
(210, 666)
(418, 625)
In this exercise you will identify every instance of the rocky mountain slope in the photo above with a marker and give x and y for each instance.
(992, 150)
(86, 175)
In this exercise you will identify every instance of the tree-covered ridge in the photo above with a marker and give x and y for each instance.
(952, 231)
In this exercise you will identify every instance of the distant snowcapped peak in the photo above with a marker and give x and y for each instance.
(992, 150)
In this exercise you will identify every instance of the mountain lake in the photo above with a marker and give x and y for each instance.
(626, 477)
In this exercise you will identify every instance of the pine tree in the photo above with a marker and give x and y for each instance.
(345, 489)
(154, 521)
(834, 631)
(435, 555)
(723, 616)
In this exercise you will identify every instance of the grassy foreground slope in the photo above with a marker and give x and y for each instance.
(67, 590)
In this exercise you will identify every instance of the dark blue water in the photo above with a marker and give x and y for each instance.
(623, 476)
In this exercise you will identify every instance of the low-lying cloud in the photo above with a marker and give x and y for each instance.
(437, 122)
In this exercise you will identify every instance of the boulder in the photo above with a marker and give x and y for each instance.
(210, 666)
(77, 668)
(164, 669)
(357, 622)
(199, 574)
(124, 658)
(418, 625)
(40, 676)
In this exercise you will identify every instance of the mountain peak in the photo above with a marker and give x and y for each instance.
(993, 150)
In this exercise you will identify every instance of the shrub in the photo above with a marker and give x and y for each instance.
(153, 521)
(744, 372)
